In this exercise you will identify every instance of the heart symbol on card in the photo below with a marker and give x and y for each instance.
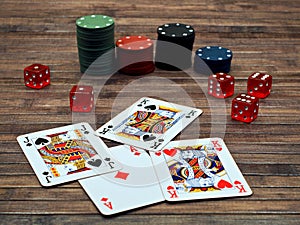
(158, 153)
(170, 152)
(224, 184)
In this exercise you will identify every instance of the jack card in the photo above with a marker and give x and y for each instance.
(135, 185)
(149, 123)
(66, 153)
(198, 169)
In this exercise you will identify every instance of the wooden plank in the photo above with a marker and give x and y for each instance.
(263, 36)
(279, 219)
(233, 206)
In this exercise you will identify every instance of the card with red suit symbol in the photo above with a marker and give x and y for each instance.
(198, 169)
(134, 186)
(66, 154)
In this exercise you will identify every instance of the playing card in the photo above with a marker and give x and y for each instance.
(198, 169)
(133, 186)
(66, 153)
(149, 123)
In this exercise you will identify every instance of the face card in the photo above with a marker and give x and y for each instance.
(66, 153)
(198, 169)
(149, 123)
(135, 185)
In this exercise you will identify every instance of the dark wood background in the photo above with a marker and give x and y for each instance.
(263, 35)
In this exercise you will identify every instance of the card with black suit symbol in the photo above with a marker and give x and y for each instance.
(66, 153)
(149, 123)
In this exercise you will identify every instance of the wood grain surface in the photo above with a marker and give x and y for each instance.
(263, 35)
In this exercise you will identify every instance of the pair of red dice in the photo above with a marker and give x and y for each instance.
(244, 106)
(37, 76)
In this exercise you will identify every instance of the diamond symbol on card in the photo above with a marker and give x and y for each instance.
(137, 153)
(121, 175)
(104, 199)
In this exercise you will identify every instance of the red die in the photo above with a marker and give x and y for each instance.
(221, 85)
(259, 85)
(244, 108)
(37, 76)
(81, 98)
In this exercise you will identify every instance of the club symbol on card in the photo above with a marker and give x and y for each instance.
(224, 184)
(148, 137)
(95, 162)
(41, 141)
(47, 176)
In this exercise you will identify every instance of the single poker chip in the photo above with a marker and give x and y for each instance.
(173, 56)
(134, 43)
(175, 30)
(135, 55)
(94, 22)
(217, 58)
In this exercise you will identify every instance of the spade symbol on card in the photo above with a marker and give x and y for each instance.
(95, 162)
(41, 141)
(105, 130)
(27, 142)
(148, 137)
(85, 131)
(111, 164)
(143, 102)
(150, 107)
(46, 174)
(191, 114)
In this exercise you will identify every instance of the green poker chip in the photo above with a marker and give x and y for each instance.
(94, 22)
(95, 38)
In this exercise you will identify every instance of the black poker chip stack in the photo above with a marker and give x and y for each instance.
(95, 42)
(217, 58)
(174, 46)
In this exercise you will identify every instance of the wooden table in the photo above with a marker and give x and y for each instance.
(263, 35)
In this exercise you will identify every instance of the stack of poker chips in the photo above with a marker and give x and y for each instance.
(174, 46)
(135, 55)
(95, 42)
(217, 58)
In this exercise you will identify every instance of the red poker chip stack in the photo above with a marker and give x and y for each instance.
(135, 55)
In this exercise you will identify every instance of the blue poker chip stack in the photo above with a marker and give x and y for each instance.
(217, 58)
